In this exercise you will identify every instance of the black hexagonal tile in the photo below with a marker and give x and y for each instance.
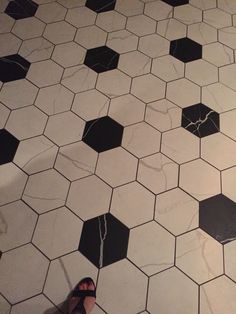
(217, 217)
(104, 240)
(20, 9)
(13, 67)
(103, 134)
(200, 120)
(8, 146)
(101, 59)
(176, 3)
(185, 49)
(101, 5)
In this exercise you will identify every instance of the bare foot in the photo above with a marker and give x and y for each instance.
(89, 301)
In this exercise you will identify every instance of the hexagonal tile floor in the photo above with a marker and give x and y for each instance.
(118, 155)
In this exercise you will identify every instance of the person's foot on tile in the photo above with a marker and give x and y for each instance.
(87, 287)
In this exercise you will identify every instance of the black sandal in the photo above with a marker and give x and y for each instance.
(82, 294)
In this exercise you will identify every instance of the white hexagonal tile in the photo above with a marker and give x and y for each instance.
(79, 78)
(113, 83)
(228, 75)
(116, 167)
(141, 139)
(228, 183)
(202, 33)
(4, 114)
(36, 49)
(151, 248)
(81, 202)
(163, 115)
(80, 17)
(227, 36)
(219, 97)
(180, 145)
(122, 41)
(91, 37)
(12, 183)
(61, 136)
(59, 32)
(17, 225)
(64, 274)
(17, 94)
(54, 99)
(134, 63)
(199, 179)
(51, 236)
(176, 211)
(227, 124)
(190, 97)
(46, 190)
(148, 88)
(5, 307)
(204, 5)
(90, 105)
(68, 54)
(158, 10)
(26, 122)
(127, 109)
(212, 147)
(112, 296)
(23, 271)
(13, 44)
(6, 23)
(70, 4)
(110, 21)
(133, 7)
(228, 6)
(168, 68)
(35, 154)
(128, 203)
(201, 72)
(199, 256)
(171, 29)
(223, 57)
(39, 304)
(28, 28)
(154, 45)
(158, 173)
(188, 14)
(44, 73)
(217, 18)
(51, 12)
(218, 296)
(76, 161)
(169, 288)
(229, 259)
(141, 25)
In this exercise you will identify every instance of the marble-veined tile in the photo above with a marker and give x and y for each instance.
(13, 44)
(141, 25)
(36, 49)
(228, 6)
(227, 124)
(76, 161)
(51, 12)
(46, 190)
(171, 29)
(23, 271)
(228, 183)
(59, 32)
(158, 173)
(134, 63)
(90, 36)
(217, 296)
(217, 18)
(80, 16)
(203, 4)
(172, 291)
(199, 179)
(158, 10)
(230, 258)
(128, 204)
(154, 45)
(151, 248)
(199, 256)
(227, 75)
(6, 23)
(168, 68)
(35, 154)
(89, 197)
(202, 33)
(122, 41)
(227, 36)
(176, 211)
(188, 14)
(201, 72)
(68, 54)
(116, 166)
(61, 136)
(111, 21)
(4, 114)
(17, 225)
(223, 57)
(30, 27)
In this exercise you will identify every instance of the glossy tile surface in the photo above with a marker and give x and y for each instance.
(117, 155)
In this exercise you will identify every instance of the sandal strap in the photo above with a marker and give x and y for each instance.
(84, 293)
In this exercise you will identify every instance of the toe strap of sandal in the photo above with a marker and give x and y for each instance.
(84, 293)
